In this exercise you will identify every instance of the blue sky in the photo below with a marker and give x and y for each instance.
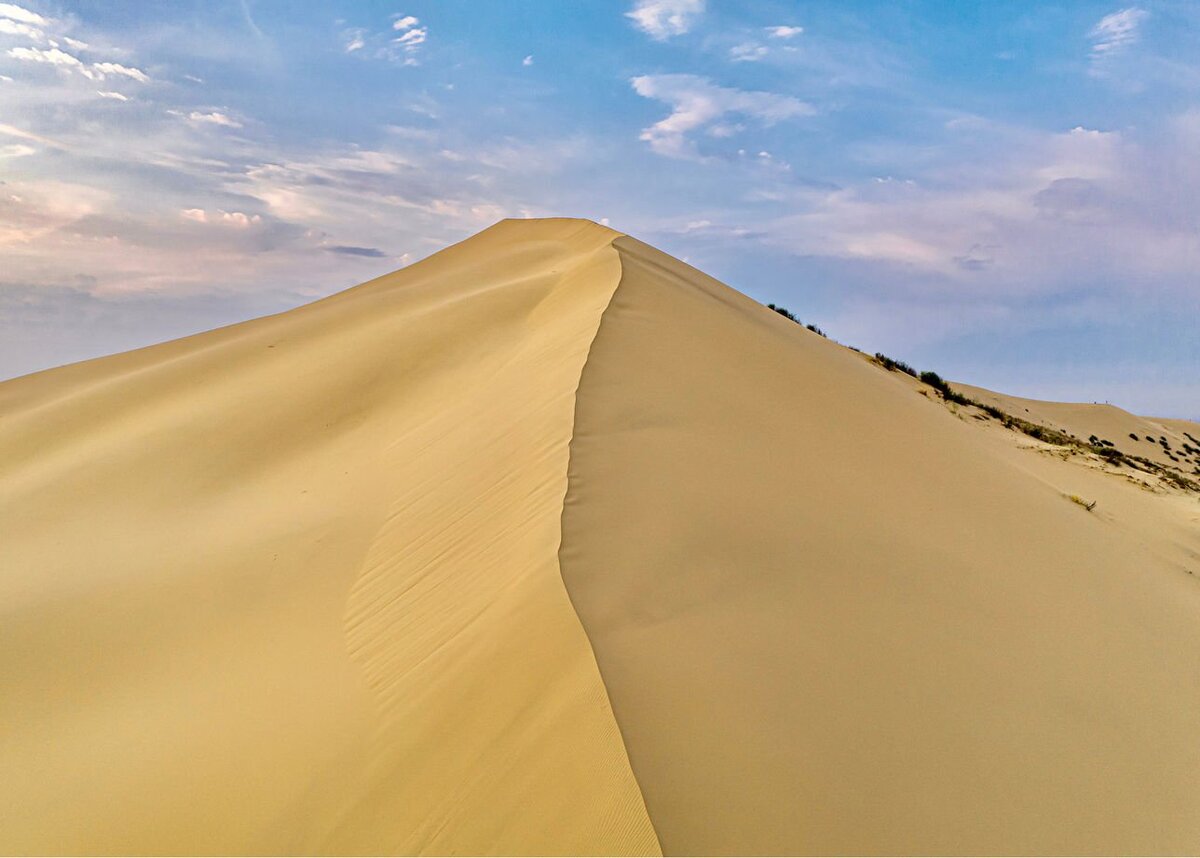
(1008, 193)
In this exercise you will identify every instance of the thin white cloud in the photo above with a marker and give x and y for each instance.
(120, 70)
(697, 103)
(1114, 33)
(75, 44)
(412, 38)
(353, 40)
(240, 220)
(662, 19)
(214, 118)
(528, 61)
(16, 28)
(57, 57)
(748, 52)
(197, 215)
(18, 13)
(51, 56)
(405, 23)
(115, 96)
(784, 32)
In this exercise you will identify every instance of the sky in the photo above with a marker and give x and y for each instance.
(1006, 193)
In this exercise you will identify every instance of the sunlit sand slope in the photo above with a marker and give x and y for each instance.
(292, 586)
(552, 544)
(832, 617)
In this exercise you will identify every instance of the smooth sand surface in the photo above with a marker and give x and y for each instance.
(292, 586)
(834, 618)
(552, 544)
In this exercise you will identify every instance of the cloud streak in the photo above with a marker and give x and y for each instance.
(662, 19)
(697, 104)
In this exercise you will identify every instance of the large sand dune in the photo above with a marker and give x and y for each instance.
(552, 544)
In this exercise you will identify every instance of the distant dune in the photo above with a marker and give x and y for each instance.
(551, 544)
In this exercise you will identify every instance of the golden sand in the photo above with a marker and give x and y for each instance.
(552, 544)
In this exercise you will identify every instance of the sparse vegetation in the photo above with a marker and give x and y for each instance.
(893, 365)
(783, 311)
(788, 314)
(1101, 447)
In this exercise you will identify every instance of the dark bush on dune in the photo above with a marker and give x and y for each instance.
(783, 311)
(894, 365)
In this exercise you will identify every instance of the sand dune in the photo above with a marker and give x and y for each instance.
(552, 544)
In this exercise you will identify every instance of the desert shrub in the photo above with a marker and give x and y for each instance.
(815, 330)
(783, 311)
(936, 382)
(894, 365)
(1134, 437)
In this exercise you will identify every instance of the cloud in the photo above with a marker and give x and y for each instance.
(406, 23)
(241, 220)
(115, 96)
(120, 70)
(214, 118)
(16, 28)
(52, 56)
(95, 71)
(197, 215)
(1113, 34)
(412, 38)
(696, 103)
(784, 32)
(748, 52)
(528, 61)
(17, 13)
(350, 250)
(354, 40)
(662, 19)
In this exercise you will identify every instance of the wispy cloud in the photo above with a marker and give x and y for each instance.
(121, 71)
(62, 59)
(697, 103)
(16, 28)
(351, 250)
(662, 19)
(1113, 34)
(214, 118)
(784, 32)
(528, 61)
(115, 96)
(50, 56)
(748, 52)
(19, 13)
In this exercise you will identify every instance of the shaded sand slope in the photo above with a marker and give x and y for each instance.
(292, 585)
(834, 618)
(1107, 422)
